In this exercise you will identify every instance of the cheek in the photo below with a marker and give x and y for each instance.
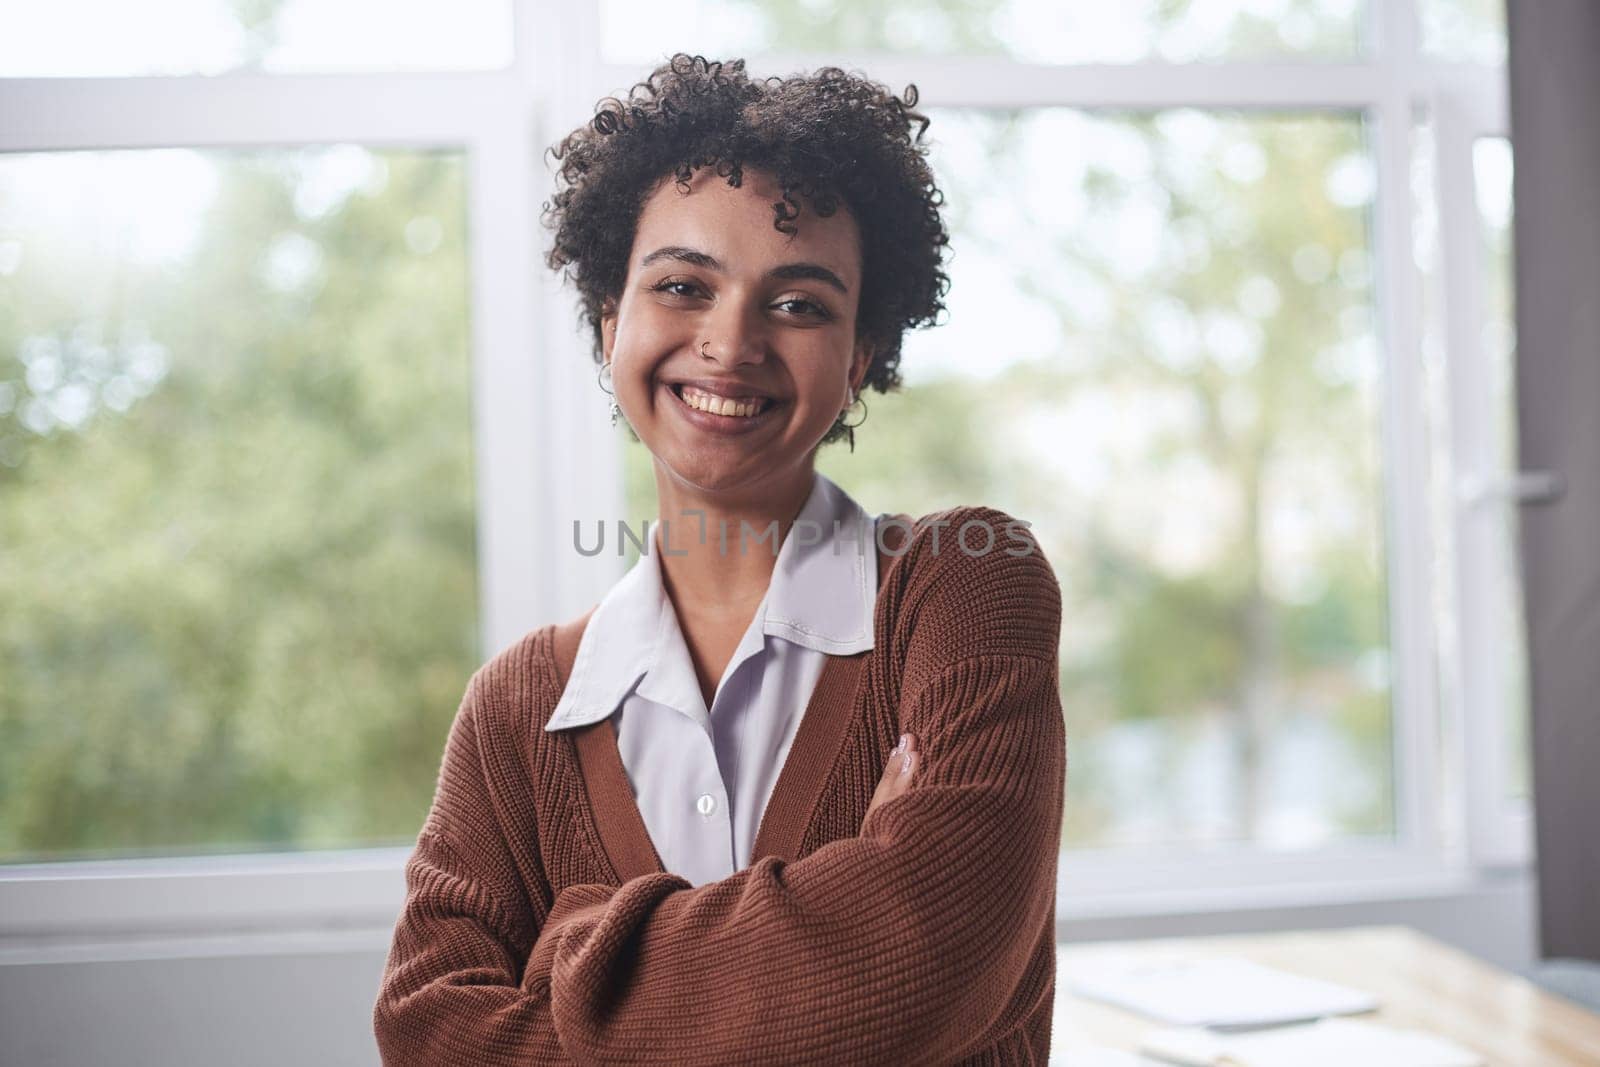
(828, 385)
(633, 361)
(646, 328)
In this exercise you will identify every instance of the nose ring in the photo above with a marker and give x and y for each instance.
(703, 348)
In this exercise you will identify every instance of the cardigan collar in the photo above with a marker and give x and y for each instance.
(822, 596)
(823, 729)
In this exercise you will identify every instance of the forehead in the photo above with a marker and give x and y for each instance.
(736, 225)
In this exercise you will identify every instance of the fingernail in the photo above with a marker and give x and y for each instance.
(905, 739)
(905, 763)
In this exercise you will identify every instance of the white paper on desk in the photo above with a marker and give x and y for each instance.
(1327, 1043)
(1216, 991)
(1080, 1055)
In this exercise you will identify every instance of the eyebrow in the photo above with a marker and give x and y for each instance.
(788, 272)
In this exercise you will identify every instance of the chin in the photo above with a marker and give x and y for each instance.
(726, 469)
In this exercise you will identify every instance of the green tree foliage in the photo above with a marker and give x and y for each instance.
(238, 581)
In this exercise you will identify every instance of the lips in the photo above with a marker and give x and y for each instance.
(720, 414)
(717, 404)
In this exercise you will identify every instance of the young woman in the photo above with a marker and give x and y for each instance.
(792, 791)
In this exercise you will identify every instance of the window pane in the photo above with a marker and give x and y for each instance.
(103, 38)
(238, 584)
(1464, 30)
(1161, 351)
(1030, 30)
(1491, 164)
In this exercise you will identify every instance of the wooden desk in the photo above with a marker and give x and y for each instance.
(1420, 984)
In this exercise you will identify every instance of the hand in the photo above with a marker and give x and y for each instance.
(896, 773)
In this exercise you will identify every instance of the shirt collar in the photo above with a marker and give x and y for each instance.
(822, 596)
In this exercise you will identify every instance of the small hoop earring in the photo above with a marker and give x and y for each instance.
(850, 427)
(855, 398)
(602, 377)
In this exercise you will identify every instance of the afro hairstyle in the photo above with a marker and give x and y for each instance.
(829, 138)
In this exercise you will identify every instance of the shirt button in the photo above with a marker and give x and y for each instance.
(706, 804)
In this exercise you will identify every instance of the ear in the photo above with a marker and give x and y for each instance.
(608, 330)
(860, 360)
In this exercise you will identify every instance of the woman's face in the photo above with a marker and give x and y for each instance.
(732, 348)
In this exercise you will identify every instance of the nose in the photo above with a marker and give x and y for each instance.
(732, 339)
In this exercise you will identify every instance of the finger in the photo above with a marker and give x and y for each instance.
(897, 774)
(888, 781)
(908, 754)
(901, 757)
(898, 770)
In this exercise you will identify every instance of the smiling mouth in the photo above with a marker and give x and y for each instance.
(710, 403)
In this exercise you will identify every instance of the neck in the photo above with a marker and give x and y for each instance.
(714, 560)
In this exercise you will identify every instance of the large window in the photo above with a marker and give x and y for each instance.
(292, 420)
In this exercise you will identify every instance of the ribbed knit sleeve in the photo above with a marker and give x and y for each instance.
(908, 943)
(454, 989)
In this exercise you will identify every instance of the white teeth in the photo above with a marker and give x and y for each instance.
(703, 401)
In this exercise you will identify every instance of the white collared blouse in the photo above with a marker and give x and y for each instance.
(702, 777)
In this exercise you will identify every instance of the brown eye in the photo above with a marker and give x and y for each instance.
(670, 287)
(807, 307)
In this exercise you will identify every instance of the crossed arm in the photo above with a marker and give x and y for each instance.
(904, 943)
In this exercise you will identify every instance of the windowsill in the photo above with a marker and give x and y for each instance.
(1095, 885)
(347, 901)
(1490, 913)
(188, 896)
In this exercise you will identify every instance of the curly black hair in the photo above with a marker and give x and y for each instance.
(827, 137)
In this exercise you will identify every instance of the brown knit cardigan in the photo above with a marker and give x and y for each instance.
(539, 926)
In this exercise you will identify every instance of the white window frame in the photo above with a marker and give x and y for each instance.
(537, 441)
(1499, 829)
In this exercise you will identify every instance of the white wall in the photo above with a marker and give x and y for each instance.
(268, 1008)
